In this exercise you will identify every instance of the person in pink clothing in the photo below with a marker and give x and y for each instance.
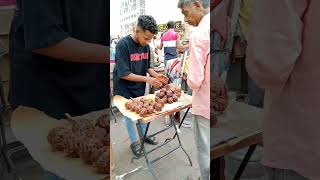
(196, 13)
(283, 58)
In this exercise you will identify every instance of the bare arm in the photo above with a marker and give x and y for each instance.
(135, 78)
(153, 73)
(179, 45)
(74, 50)
(138, 78)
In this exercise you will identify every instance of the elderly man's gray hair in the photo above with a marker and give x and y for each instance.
(205, 3)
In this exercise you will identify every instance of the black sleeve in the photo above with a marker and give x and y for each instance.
(43, 24)
(123, 59)
(149, 56)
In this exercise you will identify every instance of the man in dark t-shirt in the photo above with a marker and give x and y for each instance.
(59, 57)
(133, 64)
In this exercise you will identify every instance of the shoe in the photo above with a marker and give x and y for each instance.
(135, 148)
(151, 140)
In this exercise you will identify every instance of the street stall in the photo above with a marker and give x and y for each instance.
(59, 152)
(168, 108)
(239, 127)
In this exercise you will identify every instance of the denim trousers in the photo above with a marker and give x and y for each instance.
(132, 129)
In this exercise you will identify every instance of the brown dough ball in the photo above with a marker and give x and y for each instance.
(101, 134)
(143, 112)
(135, 101)
(152, 103)
(57, 136)
(131, 106)
(103, 163)
(163, 90)
(72, 149)
(141, 103)
(157, 98)
(82, 127)
(165, 100)
(170, 100)
(162, 101)
(164, 80)
(86, 149)
(162, 94)
(103, 121)
(128, 105)
(143, 100)
(167, 86)
(97, 152)
(158, 107)
(169, 93)
(138, 109)
(175, 98)
(146, 104)
(150, 109)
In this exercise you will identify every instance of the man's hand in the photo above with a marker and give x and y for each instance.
(154, 82)
(161, 76)
(74, 50)
(163, 79)
(219, 96)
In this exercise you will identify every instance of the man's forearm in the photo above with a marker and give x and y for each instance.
(74, 50)
(153, 73)
(135, 78)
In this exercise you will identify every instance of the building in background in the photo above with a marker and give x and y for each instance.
(130, 10)
(163, 11)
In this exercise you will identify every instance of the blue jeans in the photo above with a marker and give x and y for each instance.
(132, 130)
(51, 176)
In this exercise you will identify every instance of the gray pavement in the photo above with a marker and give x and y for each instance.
(173, 167)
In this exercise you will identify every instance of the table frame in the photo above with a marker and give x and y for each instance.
(4, 149)
(218, 152)
(142, 137)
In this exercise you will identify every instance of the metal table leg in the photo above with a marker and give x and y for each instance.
(4, 154)
(3, 150)
(184, 117)
(142, 148)
(176, 134)
(218, 166)
(145, 153)
(245, 162)
(4, 147)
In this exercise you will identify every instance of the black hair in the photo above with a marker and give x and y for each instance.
(148, 23)
(170, 24)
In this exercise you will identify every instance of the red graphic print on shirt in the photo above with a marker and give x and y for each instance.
(139, 57)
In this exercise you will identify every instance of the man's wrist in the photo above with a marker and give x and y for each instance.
(156, 75)
(147, 79)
